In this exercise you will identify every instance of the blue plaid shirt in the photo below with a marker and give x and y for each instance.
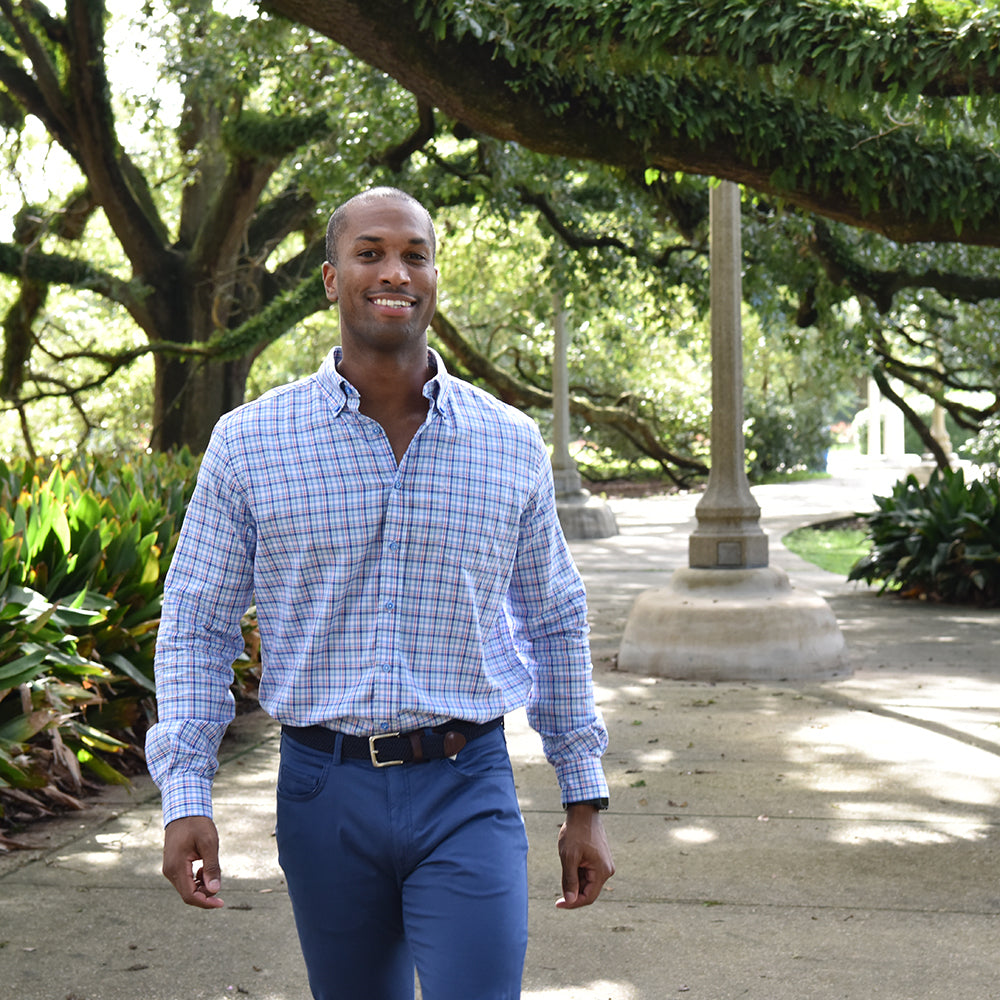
(389, 597)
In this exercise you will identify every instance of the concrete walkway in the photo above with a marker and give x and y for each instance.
(778, 842)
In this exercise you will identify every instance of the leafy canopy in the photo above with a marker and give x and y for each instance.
(875, 114)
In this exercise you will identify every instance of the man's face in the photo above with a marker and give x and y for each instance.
(385, 279)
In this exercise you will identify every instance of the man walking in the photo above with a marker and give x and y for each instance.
(396, 528)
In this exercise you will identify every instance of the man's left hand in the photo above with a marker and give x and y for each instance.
(585, 856)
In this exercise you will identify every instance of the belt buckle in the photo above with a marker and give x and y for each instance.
(373, 750)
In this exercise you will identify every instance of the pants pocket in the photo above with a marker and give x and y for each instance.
(302, 772)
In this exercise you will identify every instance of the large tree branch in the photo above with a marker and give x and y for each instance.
(842, 267)
(918, 51)
(69, 93)
(625, 421)
(255, 144)
(44, 101)
(575, 239)
(290, 211)
(119, 188)
(395, 156)
(57, 269)
(888, 181)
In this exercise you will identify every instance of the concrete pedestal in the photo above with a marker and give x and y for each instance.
(732, 625)
(582, 516)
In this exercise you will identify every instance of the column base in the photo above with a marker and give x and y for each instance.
(583, 516)
(733, 625)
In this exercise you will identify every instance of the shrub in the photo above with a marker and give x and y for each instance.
(83, 554)
(782, 437)
(939, 542)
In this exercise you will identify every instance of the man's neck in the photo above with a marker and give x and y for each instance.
(392, 393)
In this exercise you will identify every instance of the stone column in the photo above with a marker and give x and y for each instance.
(728, 533)
(873, 448)
(729, 615)
(894, 429)
(580, 514)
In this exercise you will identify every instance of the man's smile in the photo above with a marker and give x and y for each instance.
(386, 303)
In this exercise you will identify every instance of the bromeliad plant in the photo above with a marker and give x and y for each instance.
(83, 553)
(938, 542)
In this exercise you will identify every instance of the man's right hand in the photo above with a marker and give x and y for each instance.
(186, 841)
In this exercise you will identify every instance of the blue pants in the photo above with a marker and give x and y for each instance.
(418, 866)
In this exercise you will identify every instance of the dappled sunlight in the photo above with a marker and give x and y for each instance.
(870, 737)
(903, 769)
(636, 690)
(600, 990)
(928, 688)
(649, 758)
(903, 823)
(254, 864)
(694, 834)
(898, 836)
(84, 860)
(837, 780)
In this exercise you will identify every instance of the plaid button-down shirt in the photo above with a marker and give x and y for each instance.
(389, 597)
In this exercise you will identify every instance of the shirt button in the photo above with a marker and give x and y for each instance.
(389, 605)
(397, 484)
(393, 546)
(386, 667)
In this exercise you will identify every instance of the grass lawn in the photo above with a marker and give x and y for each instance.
(835, 549)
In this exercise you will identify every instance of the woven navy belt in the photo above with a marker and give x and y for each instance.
(386, 749)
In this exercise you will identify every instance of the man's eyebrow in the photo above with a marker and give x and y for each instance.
(414, 240)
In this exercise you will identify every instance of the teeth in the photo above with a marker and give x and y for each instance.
(392, 303)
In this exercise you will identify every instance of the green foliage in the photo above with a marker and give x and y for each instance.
(626, 247)
(984, 448)
(254, 134)
(83, 554)
(782, 437)
(938, 542)
(829, 96)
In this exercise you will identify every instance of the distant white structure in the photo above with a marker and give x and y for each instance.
(885, 423)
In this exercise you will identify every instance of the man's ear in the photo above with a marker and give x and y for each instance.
(330, 281)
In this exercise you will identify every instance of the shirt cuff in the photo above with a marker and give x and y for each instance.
(186, 795)
(582, 781)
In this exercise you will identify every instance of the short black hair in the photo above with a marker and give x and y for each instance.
(338, 220)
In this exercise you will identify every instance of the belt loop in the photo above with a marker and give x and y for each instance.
(338, 748)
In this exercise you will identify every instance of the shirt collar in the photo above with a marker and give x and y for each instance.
(437, 389)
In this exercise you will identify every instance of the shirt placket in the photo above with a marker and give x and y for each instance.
(390, 682)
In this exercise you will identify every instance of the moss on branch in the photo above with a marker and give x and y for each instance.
(255, 135)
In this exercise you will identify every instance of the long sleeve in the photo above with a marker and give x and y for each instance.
(208, 589)
(548, 615)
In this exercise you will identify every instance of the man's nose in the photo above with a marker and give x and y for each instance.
(395, 271)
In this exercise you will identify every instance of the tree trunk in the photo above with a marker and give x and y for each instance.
(190, 392)
(190, 396)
